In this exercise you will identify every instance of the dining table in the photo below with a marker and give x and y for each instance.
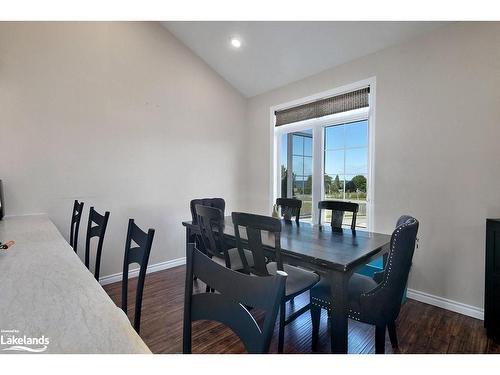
(334, 254)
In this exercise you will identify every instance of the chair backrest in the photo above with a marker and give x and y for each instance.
(211, 223)
(75, 224)
(290, 207)
(136, 254)
(254, 225)
(403, 219)
(98, 230)
(219, 203)
(338, 208)
(235, 292)
(384, 300)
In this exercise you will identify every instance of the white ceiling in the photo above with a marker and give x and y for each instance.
(277, 53)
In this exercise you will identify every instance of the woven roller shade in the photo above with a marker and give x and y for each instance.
(324, 107)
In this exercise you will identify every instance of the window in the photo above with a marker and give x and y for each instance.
(296, 169)
(327, 157)
(346, 166)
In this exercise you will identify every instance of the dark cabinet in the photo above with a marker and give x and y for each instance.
(492, 282)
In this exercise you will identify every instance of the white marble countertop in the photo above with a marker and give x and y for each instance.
(45, 290)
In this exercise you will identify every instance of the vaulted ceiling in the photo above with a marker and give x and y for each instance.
(274, 54)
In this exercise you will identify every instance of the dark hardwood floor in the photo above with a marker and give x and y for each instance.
(421, 328)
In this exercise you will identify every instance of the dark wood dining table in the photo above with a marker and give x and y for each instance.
(334, 254)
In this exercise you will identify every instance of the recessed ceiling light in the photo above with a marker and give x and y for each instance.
(235, 42)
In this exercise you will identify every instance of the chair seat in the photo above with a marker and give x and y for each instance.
(235, 259)
(358, 284)
(298, 281)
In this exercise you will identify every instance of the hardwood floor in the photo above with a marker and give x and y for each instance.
(421, 328)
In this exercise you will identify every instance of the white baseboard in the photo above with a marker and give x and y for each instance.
(135, 272)
(447, 304)
(417, 295)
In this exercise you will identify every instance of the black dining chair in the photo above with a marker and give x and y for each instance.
(211, 223)
(136, 254)
(236, 293)
(375, 300)
(75, 225)
(338, 209)
(290, 207)
(219, 203)
(298, 281)
(98, 230)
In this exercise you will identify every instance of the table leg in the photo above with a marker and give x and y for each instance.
(339, 319)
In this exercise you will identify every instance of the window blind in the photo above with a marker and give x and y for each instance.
(324, 107)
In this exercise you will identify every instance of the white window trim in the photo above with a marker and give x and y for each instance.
(317, 125)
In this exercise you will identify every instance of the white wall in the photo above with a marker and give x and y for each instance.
(122, 116)
(125, 118)
(437, 154)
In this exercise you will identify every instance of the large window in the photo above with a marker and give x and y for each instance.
(346, 166)
(325, 158)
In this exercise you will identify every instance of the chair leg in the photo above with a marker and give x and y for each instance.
(315, 319)
(391, 327)
(281, 336)
(380, 339)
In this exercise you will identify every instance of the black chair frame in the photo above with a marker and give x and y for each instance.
(211, 223)
(75, 225)
(339, 206)
(140, 255)
(254, 225)
(381, 305)
(291, 206)
(219, 203)
(98, 230)
(235, 291)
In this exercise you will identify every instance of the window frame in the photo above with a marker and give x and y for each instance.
(318, 126)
